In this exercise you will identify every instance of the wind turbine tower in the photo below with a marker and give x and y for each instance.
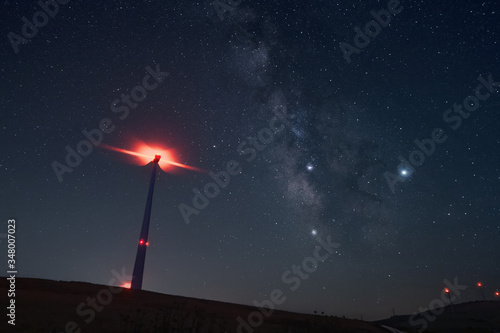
(143, 239)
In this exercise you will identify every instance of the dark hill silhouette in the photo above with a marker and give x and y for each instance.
(58, 306)
(467, 317)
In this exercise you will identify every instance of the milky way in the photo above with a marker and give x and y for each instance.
(265, 85)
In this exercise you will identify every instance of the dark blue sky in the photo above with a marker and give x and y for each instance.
(323, 174)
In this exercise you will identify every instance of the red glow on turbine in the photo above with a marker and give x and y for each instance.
(479, 284)
(126, 285)
(145, 154)
(141, 242)
(446, 290)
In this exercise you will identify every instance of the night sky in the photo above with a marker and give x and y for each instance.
(317, 114)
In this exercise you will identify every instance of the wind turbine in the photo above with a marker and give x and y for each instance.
(144, 154)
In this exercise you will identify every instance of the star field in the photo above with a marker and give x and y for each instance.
(320, 142)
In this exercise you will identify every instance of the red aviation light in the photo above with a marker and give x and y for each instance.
(144, 154)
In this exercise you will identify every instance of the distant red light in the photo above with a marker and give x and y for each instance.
(147, 243)
(497, 293)
(479, 284)
(141, 242)
(126, 285)
(446, 290)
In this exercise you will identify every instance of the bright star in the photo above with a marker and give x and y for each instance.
(314, 232)
(405, 173)
(309, 167)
